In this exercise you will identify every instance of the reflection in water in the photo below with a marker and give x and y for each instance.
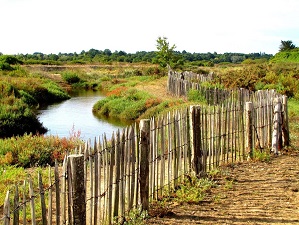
(76, 115)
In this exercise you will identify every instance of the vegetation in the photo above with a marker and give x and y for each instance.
(287, 56)
(94, 56)
(6, 62)
(125, 103)
(20, 94)
(286, 46)
(281, 77)
(166, 54)
(36, 150)
(288, 53)
(118, 74)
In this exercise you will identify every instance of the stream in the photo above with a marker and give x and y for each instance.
(75, 115)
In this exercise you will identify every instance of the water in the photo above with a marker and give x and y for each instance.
(75, 115)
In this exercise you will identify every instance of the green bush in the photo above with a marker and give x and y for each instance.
(16, 118)
(71, 77)
(5, 66)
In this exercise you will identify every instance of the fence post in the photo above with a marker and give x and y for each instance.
(195, 136)
(248, 130)
(6, 210)
(285, 121)
(144, 162)
(42, 198)
(57, 192)
(16, 213)
(76, 189)
(276, 135)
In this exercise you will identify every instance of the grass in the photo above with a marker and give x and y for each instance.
(194, 190)
(12, 176)
(293, 110)
(125, 103)
(21, 92)
(261, 155)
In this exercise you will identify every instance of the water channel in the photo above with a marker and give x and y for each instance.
(75, 114)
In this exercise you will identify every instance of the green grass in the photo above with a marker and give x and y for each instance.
(11, 176)
(263, 156)
(125, 103)
(194, 191)
(290, 56)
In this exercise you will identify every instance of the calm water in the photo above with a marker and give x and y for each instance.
(76, 114)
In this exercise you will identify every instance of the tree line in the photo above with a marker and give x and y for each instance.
(106, 56)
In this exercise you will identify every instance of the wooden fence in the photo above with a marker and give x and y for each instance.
(104, 183)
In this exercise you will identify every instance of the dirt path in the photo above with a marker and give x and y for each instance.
(157, 88)
(247, 193)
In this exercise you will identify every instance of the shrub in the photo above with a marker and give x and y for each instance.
(16, 118)
(70, 77)
(5, 66)
(29, 150)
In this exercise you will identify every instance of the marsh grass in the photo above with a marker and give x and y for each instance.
(33, 150)
(125, 103)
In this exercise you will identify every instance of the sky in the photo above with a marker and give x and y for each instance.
(68, 26)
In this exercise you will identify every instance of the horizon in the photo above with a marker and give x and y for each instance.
(70, 26)
(37, 52)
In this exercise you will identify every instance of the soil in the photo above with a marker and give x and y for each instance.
(252, 192)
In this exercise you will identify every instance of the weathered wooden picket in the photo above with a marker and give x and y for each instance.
(101, 183)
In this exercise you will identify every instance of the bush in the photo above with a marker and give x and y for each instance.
(70, 77)
(29, 150)
(5, 66)
(16, 118)
(6, 61)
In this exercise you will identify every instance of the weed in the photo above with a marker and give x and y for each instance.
(194, 191)
(263, 156)
(136, 217)
(228, 184)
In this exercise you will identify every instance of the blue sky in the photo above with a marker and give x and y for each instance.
(53, 26)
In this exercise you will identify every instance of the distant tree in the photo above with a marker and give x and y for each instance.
(166, 54)
(286, 45)
(107, 52)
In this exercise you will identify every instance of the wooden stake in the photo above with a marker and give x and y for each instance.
(144, 163)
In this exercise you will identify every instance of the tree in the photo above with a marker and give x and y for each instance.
(286, 45)
(165, 54)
